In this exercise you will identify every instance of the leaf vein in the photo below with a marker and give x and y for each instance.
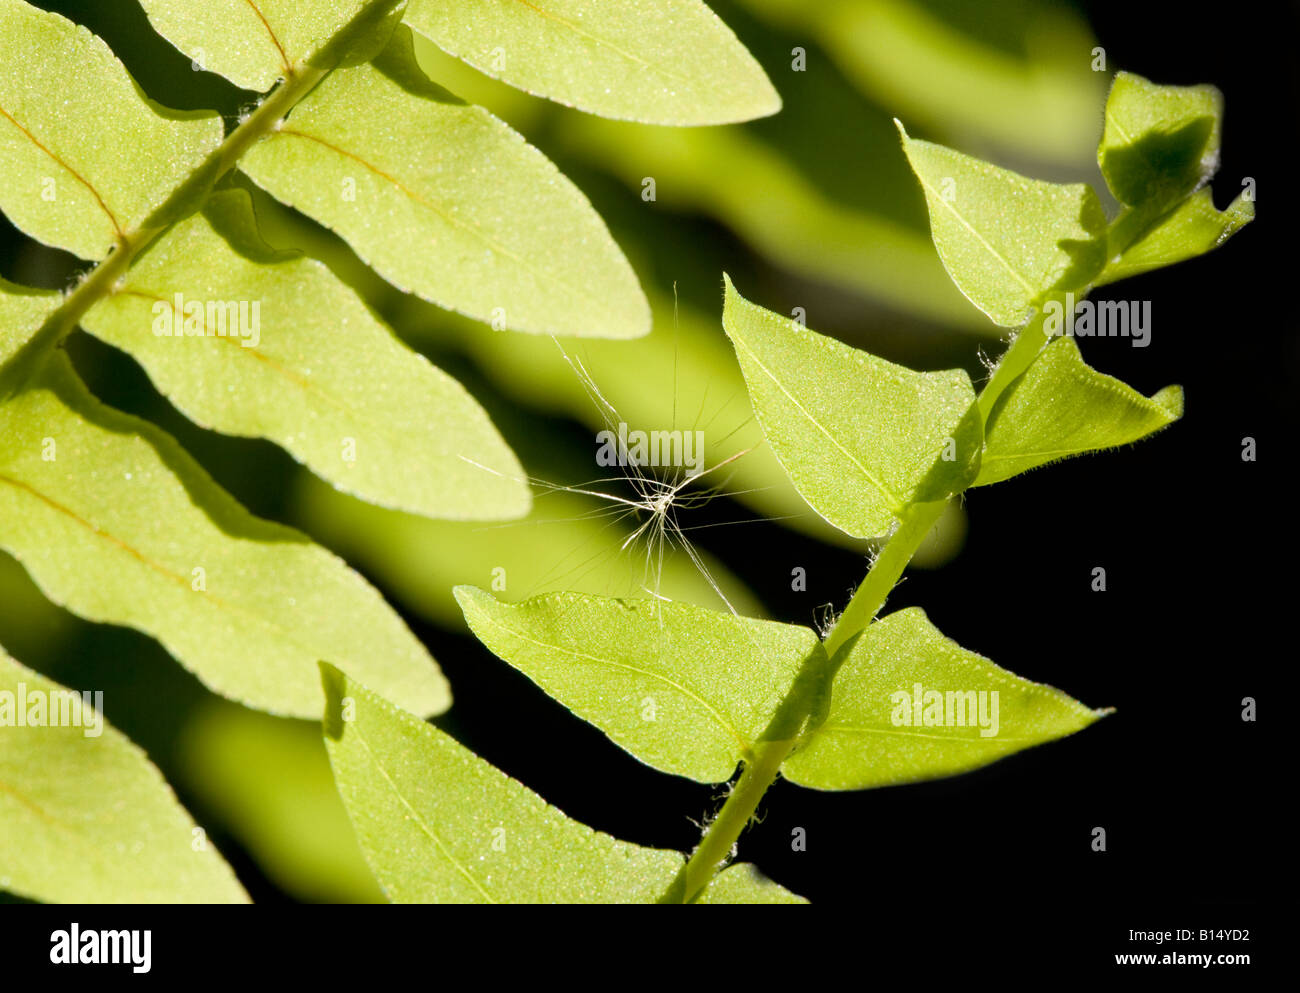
(744, 743)
(896, 504)
(117, 227)
(495, 245)
(420, 821)
(977, 236)
(284, 58)
(630, 56)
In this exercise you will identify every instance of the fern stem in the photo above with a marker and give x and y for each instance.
(1016, 359)
(885, 572)
(715, 847)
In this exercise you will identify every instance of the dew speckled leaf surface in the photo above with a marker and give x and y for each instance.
(744, 883)
(311, 368)
(85, 156)
(112, 519)
(251, 42)
(655, 61)
(87, 818)
(445, 201)
(860, 437)
(1006, 240)
(864, 742)
(437, 824)
(1060, 407)
(684, 689)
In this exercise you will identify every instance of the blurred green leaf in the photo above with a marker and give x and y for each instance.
(808, 214)
(117, 524)
(1061, 407)
(431, 191)
(767, 201)
(30, 625)
(1018, 72)
(84, 815)
(668, 62)
(743, 883)
(685, 374)
(439, 825)
(85, 155)
(685, 690)
(1007, 240)
(908, 704)
(317, 372)
(268, 780)
(861, 438)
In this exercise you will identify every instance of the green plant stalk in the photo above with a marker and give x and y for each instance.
(759, 772)
(99, 283)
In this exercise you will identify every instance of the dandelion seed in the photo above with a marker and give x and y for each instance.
(656, 502)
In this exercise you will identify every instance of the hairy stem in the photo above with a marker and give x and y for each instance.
(758, 774)
(885, 572)
(186, 197)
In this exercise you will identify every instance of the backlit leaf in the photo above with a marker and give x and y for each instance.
(657, 61)
(445, 201)
(85, 817)
(117, 524)
(1060, 407)
(306, 364)
(684, 689)
(440, 825)
(1007, 240)
(85, 156)
(252, 43)
(683, 374)
(909, 704)
(861, 438)
(1192, 228)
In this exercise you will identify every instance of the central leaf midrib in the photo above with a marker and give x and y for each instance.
(157, 567)
(1006, 264)
(744, 743)
(307, 384)
(630, 56)
(541, 276)
(419, 819)
(896, 504)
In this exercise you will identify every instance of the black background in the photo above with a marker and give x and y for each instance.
(1197, 547)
